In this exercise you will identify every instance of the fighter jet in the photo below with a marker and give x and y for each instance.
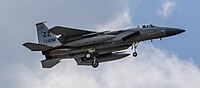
(90, 47)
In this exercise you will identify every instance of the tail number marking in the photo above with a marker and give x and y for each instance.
(49, 40)
(45, 34)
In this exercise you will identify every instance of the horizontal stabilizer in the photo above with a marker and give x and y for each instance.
(37, 47)
(49, 63)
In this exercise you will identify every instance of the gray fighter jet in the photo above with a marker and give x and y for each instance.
(90, 47)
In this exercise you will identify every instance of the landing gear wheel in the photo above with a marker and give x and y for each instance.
(88, 55)
(134, 54)
(95, 64)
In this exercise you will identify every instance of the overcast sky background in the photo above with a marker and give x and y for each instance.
(171, 63)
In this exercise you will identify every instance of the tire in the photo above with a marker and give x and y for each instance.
(95, 64)
(88, 55)
(134, 54)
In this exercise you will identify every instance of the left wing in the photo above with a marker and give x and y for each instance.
(66, 32)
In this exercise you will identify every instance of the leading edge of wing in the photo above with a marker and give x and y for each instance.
(67, 32)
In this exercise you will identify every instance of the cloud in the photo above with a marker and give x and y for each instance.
(122, 21)
(166, 8)
(153, 68)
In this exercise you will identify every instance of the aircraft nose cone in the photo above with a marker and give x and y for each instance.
(173, 31)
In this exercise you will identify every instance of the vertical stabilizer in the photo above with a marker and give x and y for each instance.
(45, 36)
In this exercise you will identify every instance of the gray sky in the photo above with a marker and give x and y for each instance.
(156, 66)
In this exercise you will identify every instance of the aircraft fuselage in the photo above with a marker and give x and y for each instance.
(89, 47)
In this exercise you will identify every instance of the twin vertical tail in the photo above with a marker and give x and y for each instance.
(46, 41)
(45, 37)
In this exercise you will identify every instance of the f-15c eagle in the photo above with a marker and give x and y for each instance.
(90, 47)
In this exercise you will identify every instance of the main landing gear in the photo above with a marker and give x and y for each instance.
(135, 44)
(90, 56)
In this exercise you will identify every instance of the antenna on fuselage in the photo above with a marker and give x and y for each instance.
(138, 26)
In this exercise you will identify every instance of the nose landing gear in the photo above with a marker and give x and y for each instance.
(135, 44)
(134, 54)
(95, 63)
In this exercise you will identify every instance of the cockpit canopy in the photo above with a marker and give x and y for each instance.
(148, 26)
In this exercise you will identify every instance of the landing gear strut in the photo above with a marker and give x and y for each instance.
(90, 55)
(95, 63)
(90, 52)
(135, 44)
